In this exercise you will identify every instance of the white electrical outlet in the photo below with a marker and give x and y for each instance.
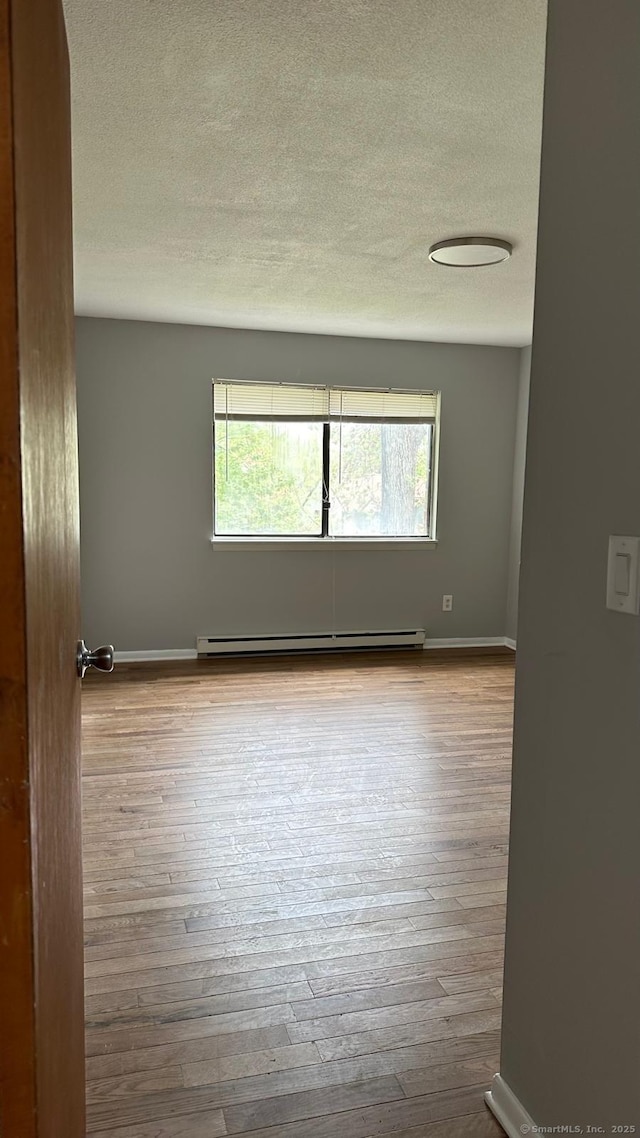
(447, 602)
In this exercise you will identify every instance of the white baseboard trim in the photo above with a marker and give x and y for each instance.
(155, 654)
(466, 642)
(509, 1111)
(191, 654)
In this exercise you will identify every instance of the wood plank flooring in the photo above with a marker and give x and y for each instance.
(295, 877)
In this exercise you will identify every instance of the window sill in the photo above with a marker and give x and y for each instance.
(287, 544)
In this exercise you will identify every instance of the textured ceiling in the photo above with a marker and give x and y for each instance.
(287, 163)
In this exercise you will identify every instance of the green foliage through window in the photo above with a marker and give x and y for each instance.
(269, 478)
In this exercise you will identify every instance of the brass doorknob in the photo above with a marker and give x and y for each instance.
(101, 658)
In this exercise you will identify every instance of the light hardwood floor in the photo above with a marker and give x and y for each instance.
(294, 885)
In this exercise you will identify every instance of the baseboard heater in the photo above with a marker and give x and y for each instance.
(315, 642)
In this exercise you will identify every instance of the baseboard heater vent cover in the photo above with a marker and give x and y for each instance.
(316, 642)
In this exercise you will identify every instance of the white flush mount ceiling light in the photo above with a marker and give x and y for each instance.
(470, 252)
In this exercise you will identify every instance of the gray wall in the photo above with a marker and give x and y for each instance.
(518, 493)
(571, 1029)
(151, 579)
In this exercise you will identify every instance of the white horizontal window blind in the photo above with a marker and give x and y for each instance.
(383, 406)
(281, 401)
(269, 401)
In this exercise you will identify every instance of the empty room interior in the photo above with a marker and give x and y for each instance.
(305, 247)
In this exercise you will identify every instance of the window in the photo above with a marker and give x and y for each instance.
(318, 462)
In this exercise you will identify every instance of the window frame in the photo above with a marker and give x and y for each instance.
(324, 538)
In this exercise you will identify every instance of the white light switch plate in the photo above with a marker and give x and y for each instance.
(622, 574)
